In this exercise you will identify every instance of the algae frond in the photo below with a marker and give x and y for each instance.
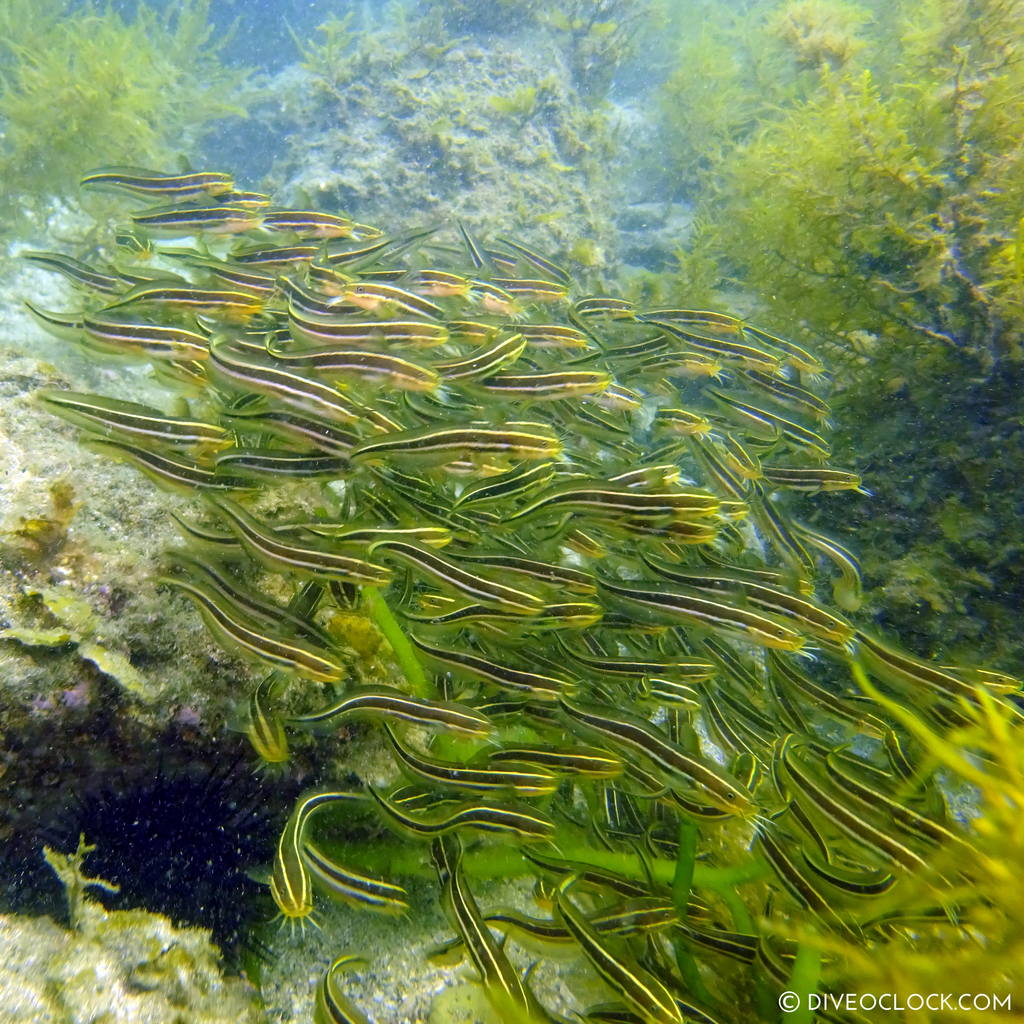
(68, 867)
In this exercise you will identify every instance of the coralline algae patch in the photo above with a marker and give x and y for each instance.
(569, 519)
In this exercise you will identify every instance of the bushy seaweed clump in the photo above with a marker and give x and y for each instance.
(81, 84)
(902, 184)
(860, 168)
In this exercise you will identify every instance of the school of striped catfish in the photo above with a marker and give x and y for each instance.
(617, 651)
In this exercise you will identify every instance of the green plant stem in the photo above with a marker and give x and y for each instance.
(682, 884)
(803, 980)
(741, 919)
(386, 622)
(686, 861)
(409, 859)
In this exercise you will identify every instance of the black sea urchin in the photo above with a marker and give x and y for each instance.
(177, 825)
(180, 843)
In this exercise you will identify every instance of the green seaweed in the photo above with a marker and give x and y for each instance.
(136, 90)
(804, 978)
(403, 650)
(896, 183)
(521, 104)
(329, 58)
(682, 886)
(860, 168)
(599, 37)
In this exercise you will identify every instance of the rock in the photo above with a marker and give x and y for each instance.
(120, 967)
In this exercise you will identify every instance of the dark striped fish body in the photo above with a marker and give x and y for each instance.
(720, 347)
(790, 395)
(478, 667)
(505, 989)
(506, 485)
(813, 479)
(143, 340)
(447, 572)
(532, 290)
(519, 823)
(794, 355)
(503, 352)
(386, 704)
(323, 328)
(241, 369)
(702, 319)
(580, 761)
(672, 762)
(378, 368)
(277, 464)
(557, 336)
(131, 421)
(307, 223)
(615, 501)
(604, 305)
(172, 471)
(332, 1006)
(283, 256)
(75, 271)
(522, 441)
(389, 299)
(524, 781)
(540, 387)
(265, 729)
(808, 616)
(363, 892)
(158, 184)
(638, 988)
(66, 326)
(691, 670)
(549, 267)
(802, 887)
(283, 555)
(905, 670)
(214, 220)
(229, 304)
(803, 780)
(259, 282)
(290, 881)
(241, 632)
(676, 605)
(292, 426)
